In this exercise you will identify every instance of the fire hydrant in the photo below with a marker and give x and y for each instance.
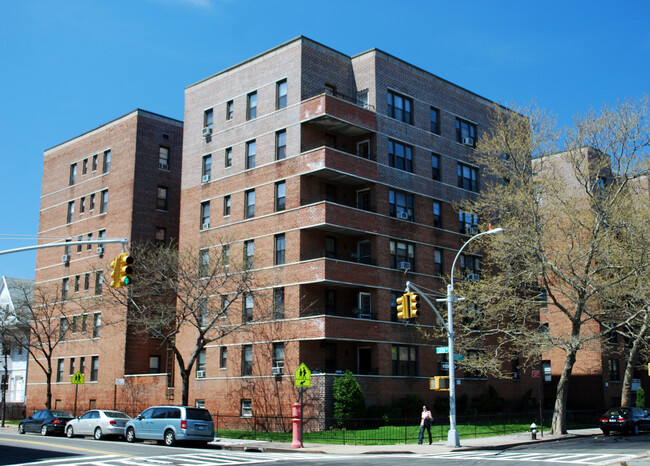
(295, 414)
(533, 431)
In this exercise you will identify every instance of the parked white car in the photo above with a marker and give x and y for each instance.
(98, 423)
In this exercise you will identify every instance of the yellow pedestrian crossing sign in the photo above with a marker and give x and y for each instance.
(78, 378)
(302, 376)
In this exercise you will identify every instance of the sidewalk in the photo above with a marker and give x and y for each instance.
(498, 442)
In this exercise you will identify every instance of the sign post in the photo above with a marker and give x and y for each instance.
(302, 379)
(77, 379)
(117, 382)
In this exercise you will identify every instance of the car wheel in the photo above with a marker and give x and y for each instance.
(44, 430)
(170, 440)
(130, 435)
(21, 429)
(69, 432)
(98, 433)
(605, 432)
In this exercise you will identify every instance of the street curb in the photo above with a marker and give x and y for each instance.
(504, 446)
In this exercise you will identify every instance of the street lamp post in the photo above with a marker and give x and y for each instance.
(452, 437)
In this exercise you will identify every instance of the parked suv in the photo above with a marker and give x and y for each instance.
(171, 424)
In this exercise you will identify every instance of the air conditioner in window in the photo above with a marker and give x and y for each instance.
(277, 370)
(404, 265)
(205, 178)
(468, 141)
(100, 250)
(473, 277)
(207, 131)
(403, 215)
(65, 258)
(200, 374)
(205, 226)
(163, 166)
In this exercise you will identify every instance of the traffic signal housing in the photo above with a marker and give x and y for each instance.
(414, 305)
(439, 383)
(122, 270)
(116, 277)
(403, 310)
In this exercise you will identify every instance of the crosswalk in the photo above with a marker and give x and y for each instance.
(537, 457)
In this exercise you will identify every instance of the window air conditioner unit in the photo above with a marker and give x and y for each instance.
(277, 370)
(404, 265)
(468, 141)
(205, 226)
(65, 258)
(163, 166)
(207, 131)
(100, 250)
(473, 277)
(200, 374)
(205, 178)
(403, 215)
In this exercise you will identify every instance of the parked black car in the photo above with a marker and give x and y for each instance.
(46, 421)
(630, 420)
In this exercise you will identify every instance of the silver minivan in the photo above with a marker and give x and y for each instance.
(171, 424)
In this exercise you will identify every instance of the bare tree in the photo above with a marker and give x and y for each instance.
(184, 300)
(556, 208)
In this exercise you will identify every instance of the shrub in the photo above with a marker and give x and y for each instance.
(640, 398)
(349, 402)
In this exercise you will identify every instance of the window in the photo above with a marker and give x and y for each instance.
(103, 204)
(435, 167)
(437, 214)
(200, 365)
(228, 157)
(204, 262)
(363, 199)
(82, 365)
(107, 162)
(63, 328)
(281, 94)
(251, 149)
(401, 205)
(163, 158)
(99, 281)
(223, 357)
(247, 360)
(246, 408)
(400, 107)
(465, 132)
(402, 252)
(330, 301)
(400, 156)
(207, 118)
(86, 288)
(362, 98)
(161, 235)
(97, 325)
(161, 201)
(330, 247)
(230, 110)
(251, 106)
(77, 283)
(249, 303)
(95, 157)
(438, 265)
(206, 168)
(363, 149)
(59, 370)
(226, 206)
(79, 246)
(225, 255)
(468, 222)
(90, 238)
(72, 371)
(435, 120)
(281, 144)
(84, 169)
(278, 359)
(470, 266)
(467, 177)
(279, 249)
(278, 303)
(205, 215)
(202, 312)
(65, 284)
(249, 253)
(280, 195)
(70, 217)
(154, 364)
(66, 249)
(94, 368)
(92, 202)
(614, 370)
(405, 360)
(365, 304)
(82, 205)
(73, 174)
(249, 209)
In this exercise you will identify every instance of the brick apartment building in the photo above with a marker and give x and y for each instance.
(340, 176)
(120, 180)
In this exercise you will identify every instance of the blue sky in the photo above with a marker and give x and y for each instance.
(68, 66)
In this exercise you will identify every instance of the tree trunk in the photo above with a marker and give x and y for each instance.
(185, 380)
(48, 395)
(632, 359)
(558, 424)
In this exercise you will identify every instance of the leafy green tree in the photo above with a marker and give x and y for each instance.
(640, 398)
(349, 402)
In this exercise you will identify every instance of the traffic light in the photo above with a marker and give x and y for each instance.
(127, 269)
(439, 383)
(414, 305)
(116, 274)
(403, 307)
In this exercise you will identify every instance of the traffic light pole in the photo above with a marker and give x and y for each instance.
(123, 241)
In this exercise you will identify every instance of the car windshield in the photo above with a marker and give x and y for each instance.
(61, 414)
(199, 414)
(117, 415)
(617, 412)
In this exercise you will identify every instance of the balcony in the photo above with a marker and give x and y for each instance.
(337, 115)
